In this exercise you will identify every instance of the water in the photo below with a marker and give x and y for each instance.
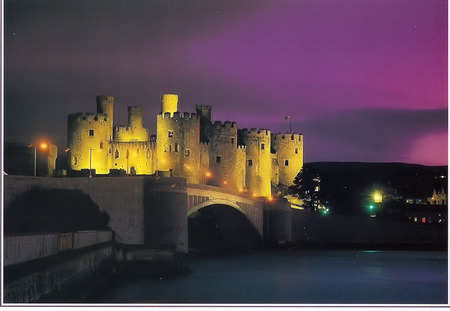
(295, 277)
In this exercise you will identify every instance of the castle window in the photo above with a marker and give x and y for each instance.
(116, 154)
(91, 133)
(101, 145)
(75, 160)
(296, 150)
(232, 140)
(176, 147)
(263, 146)
(170, 148)
(218, 159)
(170, 133)
(187, 153)
(286, 162)
(250, 162)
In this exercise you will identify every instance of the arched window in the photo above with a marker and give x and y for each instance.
(116, 154)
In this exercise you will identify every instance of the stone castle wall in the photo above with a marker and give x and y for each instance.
(289, 150)
(188, 146)
(258, 169)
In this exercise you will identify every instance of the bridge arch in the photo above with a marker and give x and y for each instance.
(216, 202)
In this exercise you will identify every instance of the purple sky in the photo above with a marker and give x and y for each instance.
(364, 80)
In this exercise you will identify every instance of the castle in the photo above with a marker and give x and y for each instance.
(186, 145)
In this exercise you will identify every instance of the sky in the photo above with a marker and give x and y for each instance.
(363, 80)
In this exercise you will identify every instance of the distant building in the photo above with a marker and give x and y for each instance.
(34, 159)
(186, 145)
(438, 198)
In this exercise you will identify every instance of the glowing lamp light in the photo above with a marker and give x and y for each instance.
(43, 146)
(270, 199)
(208, 174)
(225, 182)
(377, 197)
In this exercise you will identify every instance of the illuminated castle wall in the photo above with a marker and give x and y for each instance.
(187, 145)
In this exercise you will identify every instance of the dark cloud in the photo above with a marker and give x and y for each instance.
(375, 135)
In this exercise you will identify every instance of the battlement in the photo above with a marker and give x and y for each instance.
(226, 125)
(241, 147)
(178, 115)
(88, 117)
(253, 131)
(287, 136)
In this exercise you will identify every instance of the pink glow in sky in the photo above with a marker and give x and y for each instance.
(362, 80)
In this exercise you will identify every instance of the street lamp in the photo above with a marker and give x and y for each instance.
(90, 162)
(43, 146)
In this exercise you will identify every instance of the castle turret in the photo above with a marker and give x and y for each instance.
(135, 131)
(289, 152)
(105, 106)
(88, 142)
(224, 156)
(178, 144)
(169, 103)
(204, 112)
(258, 162)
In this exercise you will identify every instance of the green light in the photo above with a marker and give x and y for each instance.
(371, 206)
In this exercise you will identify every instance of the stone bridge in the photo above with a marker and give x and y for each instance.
(153, 212)
(200, 196)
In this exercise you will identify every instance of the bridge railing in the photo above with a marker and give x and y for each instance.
(22, 248)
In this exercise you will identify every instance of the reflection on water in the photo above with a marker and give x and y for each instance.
(294, 277)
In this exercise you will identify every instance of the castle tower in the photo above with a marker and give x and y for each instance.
(105, 106)
(178, 142)
(169, 103)
(204, 112)
(89, 136)
(224, 157)
(258, 161)
(135, 130)
(289, 151)
(135, 118)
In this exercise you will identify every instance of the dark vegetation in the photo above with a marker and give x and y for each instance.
(53, 210)
(346, 187)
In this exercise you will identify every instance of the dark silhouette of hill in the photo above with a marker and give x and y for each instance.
(53, 210)
(346, 186)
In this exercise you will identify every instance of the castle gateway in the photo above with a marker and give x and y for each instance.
(186, 145)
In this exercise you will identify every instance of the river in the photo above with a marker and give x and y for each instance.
(293, 277)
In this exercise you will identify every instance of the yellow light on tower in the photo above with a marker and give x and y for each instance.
(208, 174)
(377, 197)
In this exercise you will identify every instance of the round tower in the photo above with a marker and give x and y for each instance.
(258, 161)
(289, 152)
(135, 117)
(105, 105)
(169, 103)
(88, 142)
(224, 156)
(178, 145)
